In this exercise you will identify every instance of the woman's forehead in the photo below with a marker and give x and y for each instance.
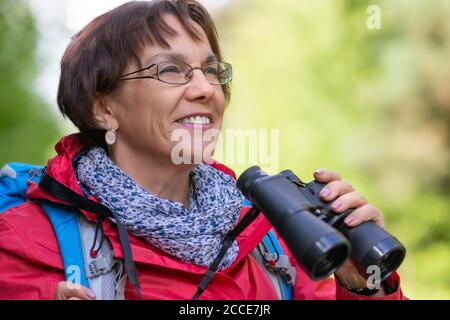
(173, 55)
(180, 45)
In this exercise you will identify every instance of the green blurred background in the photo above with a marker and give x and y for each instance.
(371, 104)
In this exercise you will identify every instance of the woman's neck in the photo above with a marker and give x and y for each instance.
(161, 178)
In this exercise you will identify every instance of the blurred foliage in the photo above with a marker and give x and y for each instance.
(373, 105)
(27, 127)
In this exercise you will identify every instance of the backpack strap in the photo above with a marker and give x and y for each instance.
(105, 274)
(102, 274)
(60, 191)
(65, 225)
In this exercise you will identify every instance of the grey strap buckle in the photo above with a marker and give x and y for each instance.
(282, 266)
(98, 266)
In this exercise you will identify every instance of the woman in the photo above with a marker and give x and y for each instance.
(129, 80)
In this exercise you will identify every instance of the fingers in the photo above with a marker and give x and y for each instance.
(68, 291)
(348, 200)
(335, 189)
(365, 213)
(345, 197)
(325, 176)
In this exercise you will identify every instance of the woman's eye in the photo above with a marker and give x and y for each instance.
(211, 70)
(169, 69)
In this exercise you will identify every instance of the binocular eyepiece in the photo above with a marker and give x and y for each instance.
(317, 237)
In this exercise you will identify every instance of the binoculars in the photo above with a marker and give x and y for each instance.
(317, 237)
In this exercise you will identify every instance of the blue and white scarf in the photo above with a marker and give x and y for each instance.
(195, 235)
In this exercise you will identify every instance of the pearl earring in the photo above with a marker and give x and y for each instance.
(110, 137)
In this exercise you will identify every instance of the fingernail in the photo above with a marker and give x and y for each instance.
(90, 293)
(336, 205)
(319, 172)
(325, 193)
(349, 219)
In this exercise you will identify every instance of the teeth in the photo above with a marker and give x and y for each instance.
(196, 120)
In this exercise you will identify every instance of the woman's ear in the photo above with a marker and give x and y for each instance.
(104, 114)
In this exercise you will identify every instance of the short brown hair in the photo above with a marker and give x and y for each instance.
(98, 54)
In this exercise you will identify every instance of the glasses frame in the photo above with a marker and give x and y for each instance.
(191, 72)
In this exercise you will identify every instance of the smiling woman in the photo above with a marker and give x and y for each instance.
(129, 80)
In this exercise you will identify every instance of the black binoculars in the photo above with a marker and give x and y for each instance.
(317, 237)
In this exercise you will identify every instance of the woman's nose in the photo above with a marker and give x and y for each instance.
(199, 87)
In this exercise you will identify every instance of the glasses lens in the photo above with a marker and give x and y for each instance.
(173, 72)
(218, 72)
(177, 72)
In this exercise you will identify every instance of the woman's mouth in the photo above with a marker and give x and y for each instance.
(199, 121)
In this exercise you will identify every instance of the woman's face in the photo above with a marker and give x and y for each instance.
(148, 111)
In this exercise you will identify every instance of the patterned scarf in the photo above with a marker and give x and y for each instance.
(193, 236)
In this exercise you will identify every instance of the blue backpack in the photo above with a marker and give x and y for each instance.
(14, 179)
(102, 273)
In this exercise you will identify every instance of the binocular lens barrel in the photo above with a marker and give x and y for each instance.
(372, 246)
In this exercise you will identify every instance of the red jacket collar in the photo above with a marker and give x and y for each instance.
(60, 168)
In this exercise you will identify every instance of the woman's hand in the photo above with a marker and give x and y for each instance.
(343, 197)
(68, 291)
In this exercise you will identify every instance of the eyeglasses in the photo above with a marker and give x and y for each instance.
(177, 72)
